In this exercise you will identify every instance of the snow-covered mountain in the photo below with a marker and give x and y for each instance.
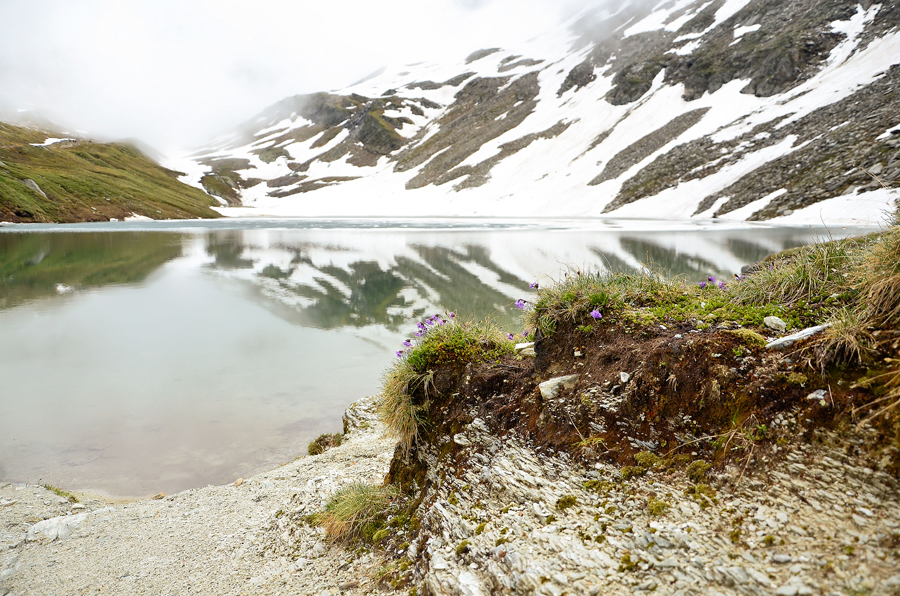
(735, 109)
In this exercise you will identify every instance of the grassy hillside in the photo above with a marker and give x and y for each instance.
(87, 181)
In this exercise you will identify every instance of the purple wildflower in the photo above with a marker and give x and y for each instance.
(452, 315)
(534, 286)
(702, 285)
(722, 285)
(407, 343)
(711, 279)
(421, 326)
(399, 353)
(511, 336)
(520, 303)
(441, 321)
(596, 314)
(429, 321)
(525, 334)
(418, 334)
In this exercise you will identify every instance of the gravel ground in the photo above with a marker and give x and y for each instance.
(202, 541)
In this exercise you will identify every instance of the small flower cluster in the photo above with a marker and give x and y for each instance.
(711, 282)
(422, 328)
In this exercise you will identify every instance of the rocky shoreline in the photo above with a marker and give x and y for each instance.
(818, 520)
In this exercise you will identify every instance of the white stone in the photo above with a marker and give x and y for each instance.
(469, 585)
(775, 323)
(524, 346)
(549, 389)
(789, 340)
(624, 377)
(56, 527)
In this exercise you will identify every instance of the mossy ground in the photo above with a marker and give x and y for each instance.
(86, 181)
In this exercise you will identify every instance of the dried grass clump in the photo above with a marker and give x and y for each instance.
(848, 339)
(810, 274)
(356, 511)
(580, 292)
(878, 279)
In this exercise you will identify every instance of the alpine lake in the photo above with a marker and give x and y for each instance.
(146, 357)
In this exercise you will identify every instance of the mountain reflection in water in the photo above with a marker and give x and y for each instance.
(136, 361)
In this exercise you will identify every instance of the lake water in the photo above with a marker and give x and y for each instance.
(145, 357)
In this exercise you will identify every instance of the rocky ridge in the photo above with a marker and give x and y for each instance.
(691, 109)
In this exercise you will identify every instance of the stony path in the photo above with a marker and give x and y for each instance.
(203, 541)
(818, 522)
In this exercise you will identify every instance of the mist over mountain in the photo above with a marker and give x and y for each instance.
(733, 109)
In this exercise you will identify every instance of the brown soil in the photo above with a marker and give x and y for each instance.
(703, 395)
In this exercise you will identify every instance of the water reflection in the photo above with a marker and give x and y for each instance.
(185, 358)
(39, 265)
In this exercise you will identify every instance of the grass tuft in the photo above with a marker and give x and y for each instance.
(324, 442)
(356, 512)
(408, 385)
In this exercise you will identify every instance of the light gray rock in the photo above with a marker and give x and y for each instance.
(624, 377)
(31, 184)
(775, 323)
(549, 389)
(524, 346)
(789, 340)
(56, 527)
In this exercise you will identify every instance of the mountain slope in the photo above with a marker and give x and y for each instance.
(68, 180)
(736, 109)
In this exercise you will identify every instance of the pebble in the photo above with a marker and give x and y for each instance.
(775, 323)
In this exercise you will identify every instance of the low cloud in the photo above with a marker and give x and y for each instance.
(174, 73)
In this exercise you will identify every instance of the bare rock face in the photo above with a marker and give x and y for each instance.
(34, 186)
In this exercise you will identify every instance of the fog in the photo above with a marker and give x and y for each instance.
(173, 73)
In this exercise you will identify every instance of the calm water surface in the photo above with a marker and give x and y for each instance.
(145, 357)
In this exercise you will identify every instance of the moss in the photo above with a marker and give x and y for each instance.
(769, 540)
(599, 486)
(565, 502)
(480, 528)
(656, 507)
(735, 535)
(629, 472)
(748, 336)
(501, 540)
(452, 499)
(381, 535)
(796, 378)
(627, 564)
(647, 459)
(323, 443)
(462, 548)
(696, 471)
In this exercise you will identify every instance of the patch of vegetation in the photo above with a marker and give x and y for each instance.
(480, 528)
(629, 472)
(356, 512)
(463, 547)
(656, 507)
(443, 342)
(324, 442)
(62, 493)
(566, 501)
(647, 459)
(696, 471)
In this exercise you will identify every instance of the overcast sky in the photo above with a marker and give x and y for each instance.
(175, 72)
